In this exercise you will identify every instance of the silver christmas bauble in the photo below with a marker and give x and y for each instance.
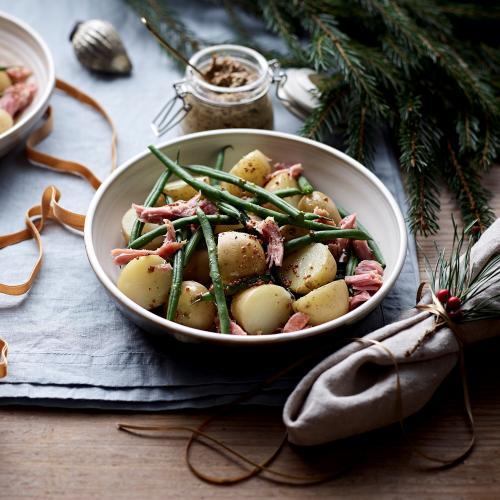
(98, 46)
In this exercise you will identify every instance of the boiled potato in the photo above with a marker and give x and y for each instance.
(319, 200)
(290, 232)
(239, 255)
(253, 167)
(197, 268)
(145, 282)
(6, 121)
(5, 80)
(283, 181)
(179, 190)
(262, 309)
(127, 224)
(199, 315)
(308, 268)
(327, 302)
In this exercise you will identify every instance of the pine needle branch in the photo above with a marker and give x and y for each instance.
(465, 183)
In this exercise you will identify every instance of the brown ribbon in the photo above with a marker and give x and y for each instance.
(49, 207)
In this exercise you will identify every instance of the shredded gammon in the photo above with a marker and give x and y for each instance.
(169, 246)
(17, 97)
(366, 266)
(174, 210)
(296, 322)
(358, 299)
(18, 74)
(362, 250)
(340, 245)
(294, 171)
(366, 282)
(236, 329)
(271, 234)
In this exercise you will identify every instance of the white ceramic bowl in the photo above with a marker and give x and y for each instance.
(348, 182)
(20, 44)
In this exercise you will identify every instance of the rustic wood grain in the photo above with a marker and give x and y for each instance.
(47, 454)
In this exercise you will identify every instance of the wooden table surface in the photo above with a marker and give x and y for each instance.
(48, 453)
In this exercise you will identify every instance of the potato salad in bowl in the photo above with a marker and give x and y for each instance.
(240, 241)
(254, 251)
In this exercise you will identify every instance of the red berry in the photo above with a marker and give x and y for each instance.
(443, 295)
(454, 315)
(453, 303)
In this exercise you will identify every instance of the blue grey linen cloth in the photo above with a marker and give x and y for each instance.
(69, 345)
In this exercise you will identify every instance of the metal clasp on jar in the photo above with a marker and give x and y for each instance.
(278, 77)
(169, 116)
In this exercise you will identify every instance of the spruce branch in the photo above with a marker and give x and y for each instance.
(429, 71)
(465, 183)
(423, 195)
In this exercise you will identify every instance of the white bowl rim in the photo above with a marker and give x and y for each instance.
(213, 337)
(25, 117)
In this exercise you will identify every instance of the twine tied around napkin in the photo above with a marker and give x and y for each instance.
(49, 207)
(352, 391)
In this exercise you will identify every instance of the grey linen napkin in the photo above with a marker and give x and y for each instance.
(353, 390)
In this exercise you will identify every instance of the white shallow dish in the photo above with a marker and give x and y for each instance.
(349, 183)
(20, 44)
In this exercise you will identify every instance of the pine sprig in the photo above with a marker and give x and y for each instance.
(477, 294)
(429, 71)
(465, 183)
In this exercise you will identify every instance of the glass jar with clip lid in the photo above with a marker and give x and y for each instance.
(233, 92)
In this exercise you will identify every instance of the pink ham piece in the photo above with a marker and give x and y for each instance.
(324, 216)
(358, 299)
(362, 250)
(17, 97)
(236, 329)
(271, 234)
(18, 74)
(174, 210)
(366, 282)
(169, 246)
(340, 245)
(294, 171)
(296, 322)
(366, 266)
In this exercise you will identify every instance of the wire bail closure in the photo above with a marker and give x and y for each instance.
(168, 117)
(278, 77)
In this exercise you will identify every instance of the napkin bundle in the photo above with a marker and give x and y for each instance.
(354, 390)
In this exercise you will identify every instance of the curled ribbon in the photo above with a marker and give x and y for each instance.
(49, 207)
(3, 358)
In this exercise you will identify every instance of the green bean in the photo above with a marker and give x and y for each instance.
(219, 163)
(228, 209)
(151, 199)
(191, 246)
(304, 185)
(220, 298)
(217, 195)
(282, 193)
(262, 193)
(185, 221)
(372, 244)
(178, 268)
(234, 288)
(318, 236)
(351, 265)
